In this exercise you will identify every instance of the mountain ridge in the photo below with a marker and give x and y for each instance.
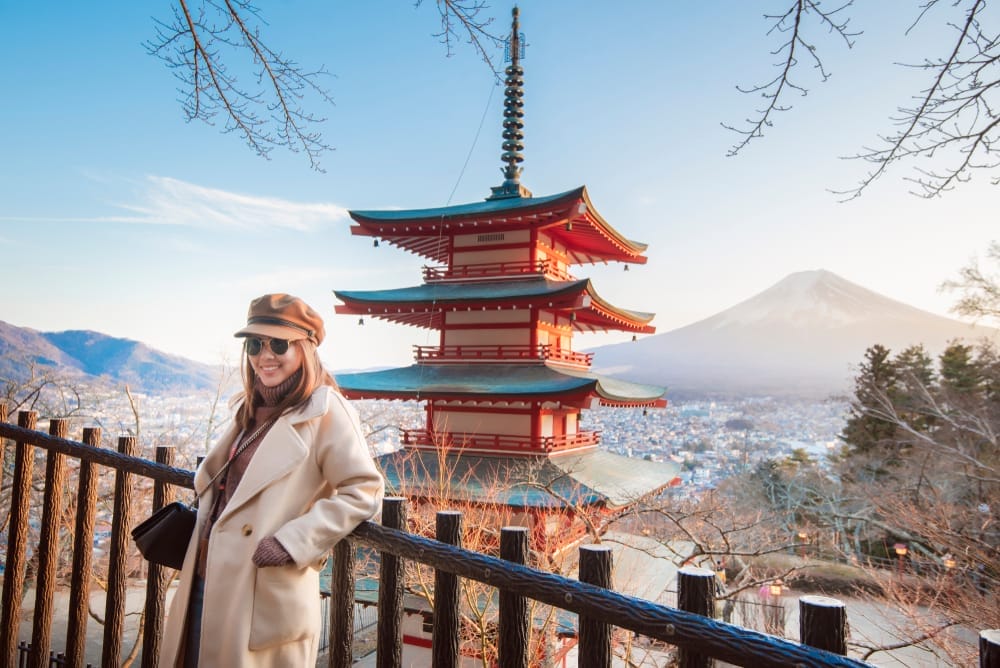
(803, 335)
(90, 355)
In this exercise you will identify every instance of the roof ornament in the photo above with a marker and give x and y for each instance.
(513, 125)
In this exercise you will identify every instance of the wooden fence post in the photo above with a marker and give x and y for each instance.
(823, 623)
(390, 590)
(3, 441)
(696, 593)
(157, 576)
(114, 606)
(989, 648)
(83, 550)
(48, 549)
(17, 541)
(444, 643)
(513, 625)
(342, 605)
(595, 636)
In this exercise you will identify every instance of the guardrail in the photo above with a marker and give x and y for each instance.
(512, 353)
(498, 443)
(494, 270)
(690, 628)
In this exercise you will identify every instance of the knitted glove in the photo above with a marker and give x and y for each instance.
(270, 552)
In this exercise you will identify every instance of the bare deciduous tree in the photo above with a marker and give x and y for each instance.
(792, 26)
(270, 99)
(228, 70)
(979, 290)
(200, 44)
(461, 20)
(954, 119)
(939, 497)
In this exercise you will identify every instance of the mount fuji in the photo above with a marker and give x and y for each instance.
(805, 335)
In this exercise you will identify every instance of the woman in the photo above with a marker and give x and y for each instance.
(290, 478)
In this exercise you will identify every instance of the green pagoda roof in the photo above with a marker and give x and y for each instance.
(421, 305)
(471, 291)
(569, 216)
(586, 478)
(489, 382)
(475, 209)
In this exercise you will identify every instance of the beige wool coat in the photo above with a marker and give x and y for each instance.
(310, 482)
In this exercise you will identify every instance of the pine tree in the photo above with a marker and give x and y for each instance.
(988, 362)
(960, 374)
(915, 372)
(875, 386)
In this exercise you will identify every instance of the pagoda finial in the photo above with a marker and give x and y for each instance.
(513, 115)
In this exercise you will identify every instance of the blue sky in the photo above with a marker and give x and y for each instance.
(116, 215)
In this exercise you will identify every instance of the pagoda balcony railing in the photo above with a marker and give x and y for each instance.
(505, 353)
(490, 270)
(467, 441)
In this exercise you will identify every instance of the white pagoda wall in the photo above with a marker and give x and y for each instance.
(483, 334)
(507, 424)
(481, 248)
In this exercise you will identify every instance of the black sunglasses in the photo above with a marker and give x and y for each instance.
(277, 346)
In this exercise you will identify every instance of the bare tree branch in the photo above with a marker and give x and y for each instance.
(954, 119)
(227, 70)
(201, 46)
(980, 291)
(907, 643)
(460, 20)
(781, 86)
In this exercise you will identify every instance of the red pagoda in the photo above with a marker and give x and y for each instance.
(504, 389)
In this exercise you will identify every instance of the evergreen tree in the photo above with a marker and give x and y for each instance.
(915, 371)
(877, 383)
(915, 366)
(988, 362)
(960, 374)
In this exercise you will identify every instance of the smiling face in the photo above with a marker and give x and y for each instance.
(274, 369)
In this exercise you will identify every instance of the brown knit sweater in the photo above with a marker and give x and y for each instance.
(268, 399)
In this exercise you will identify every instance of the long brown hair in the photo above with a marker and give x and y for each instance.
(312, 377)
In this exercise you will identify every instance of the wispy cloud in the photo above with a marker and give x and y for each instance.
(162, 200)
(73, 219)
(168, 201)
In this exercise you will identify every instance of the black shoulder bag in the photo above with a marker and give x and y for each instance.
(164, 536)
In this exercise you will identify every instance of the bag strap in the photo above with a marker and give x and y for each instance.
(243, 446)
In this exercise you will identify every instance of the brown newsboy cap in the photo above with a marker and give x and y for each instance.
(282, 316)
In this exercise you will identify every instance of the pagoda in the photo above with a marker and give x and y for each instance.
(503, 389)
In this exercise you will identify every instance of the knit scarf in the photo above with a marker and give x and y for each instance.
(267, 402)
(269, 398)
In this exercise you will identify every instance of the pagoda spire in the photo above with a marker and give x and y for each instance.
(513, 115)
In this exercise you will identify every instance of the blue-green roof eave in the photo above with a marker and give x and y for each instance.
(484, 291)
(463, 210)
(484, 381)
(472, 291)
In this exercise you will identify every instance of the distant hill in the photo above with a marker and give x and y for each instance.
(805, 335)
(87, 354)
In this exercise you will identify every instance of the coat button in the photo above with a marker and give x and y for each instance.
(247, 529)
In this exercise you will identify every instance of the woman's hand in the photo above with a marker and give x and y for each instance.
(270, 552)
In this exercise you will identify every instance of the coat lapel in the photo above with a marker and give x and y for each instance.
(279, 452)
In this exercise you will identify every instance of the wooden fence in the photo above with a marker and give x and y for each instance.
(699, 638)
